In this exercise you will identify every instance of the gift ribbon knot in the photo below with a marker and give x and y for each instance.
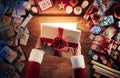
(59, 42)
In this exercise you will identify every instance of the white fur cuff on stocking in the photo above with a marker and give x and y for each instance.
(36, 55)
(77, 61)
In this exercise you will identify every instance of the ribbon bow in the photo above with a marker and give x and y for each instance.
(59, 42)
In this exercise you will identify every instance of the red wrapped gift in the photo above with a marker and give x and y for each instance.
(49, 31)
(99, 43)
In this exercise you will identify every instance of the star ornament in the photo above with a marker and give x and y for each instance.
(61, 6)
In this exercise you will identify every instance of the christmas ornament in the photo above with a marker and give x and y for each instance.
(69, 9)
(103, 58)
(61, 6)
(109, 64)
(84, 4)
(77, 10)
(27, 5)
(34, 9)
(32, 2)
(95, 57)
(95, 30)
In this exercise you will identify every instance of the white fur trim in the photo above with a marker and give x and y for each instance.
(36, 55)
(77, 61)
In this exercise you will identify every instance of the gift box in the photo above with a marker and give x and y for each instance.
(49, 31)
(109, 32)
(8, 54)
(99, 43)
(106, 20)
(43, 4)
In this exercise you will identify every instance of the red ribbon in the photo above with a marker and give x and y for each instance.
(60, 34)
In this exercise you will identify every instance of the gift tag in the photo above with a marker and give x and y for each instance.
(44, 4)
(92, 36)
(95, 57)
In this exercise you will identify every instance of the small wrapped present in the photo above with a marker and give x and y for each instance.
(102, 10)
(50, 31)
(106, 20)
(99, 43)
(6, 31)
(97, 2)
(8, 54)
(109, 32)
(95, 18)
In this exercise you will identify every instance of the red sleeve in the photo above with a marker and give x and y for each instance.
(79, 73)
(33, 70)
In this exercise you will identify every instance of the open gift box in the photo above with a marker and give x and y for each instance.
(68, 31)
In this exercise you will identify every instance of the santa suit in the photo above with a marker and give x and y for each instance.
(36, 58)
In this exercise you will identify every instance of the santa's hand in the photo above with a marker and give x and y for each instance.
(36, 55)
(39, 43)
(78, 59)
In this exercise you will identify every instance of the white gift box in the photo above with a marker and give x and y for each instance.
(49, 31)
